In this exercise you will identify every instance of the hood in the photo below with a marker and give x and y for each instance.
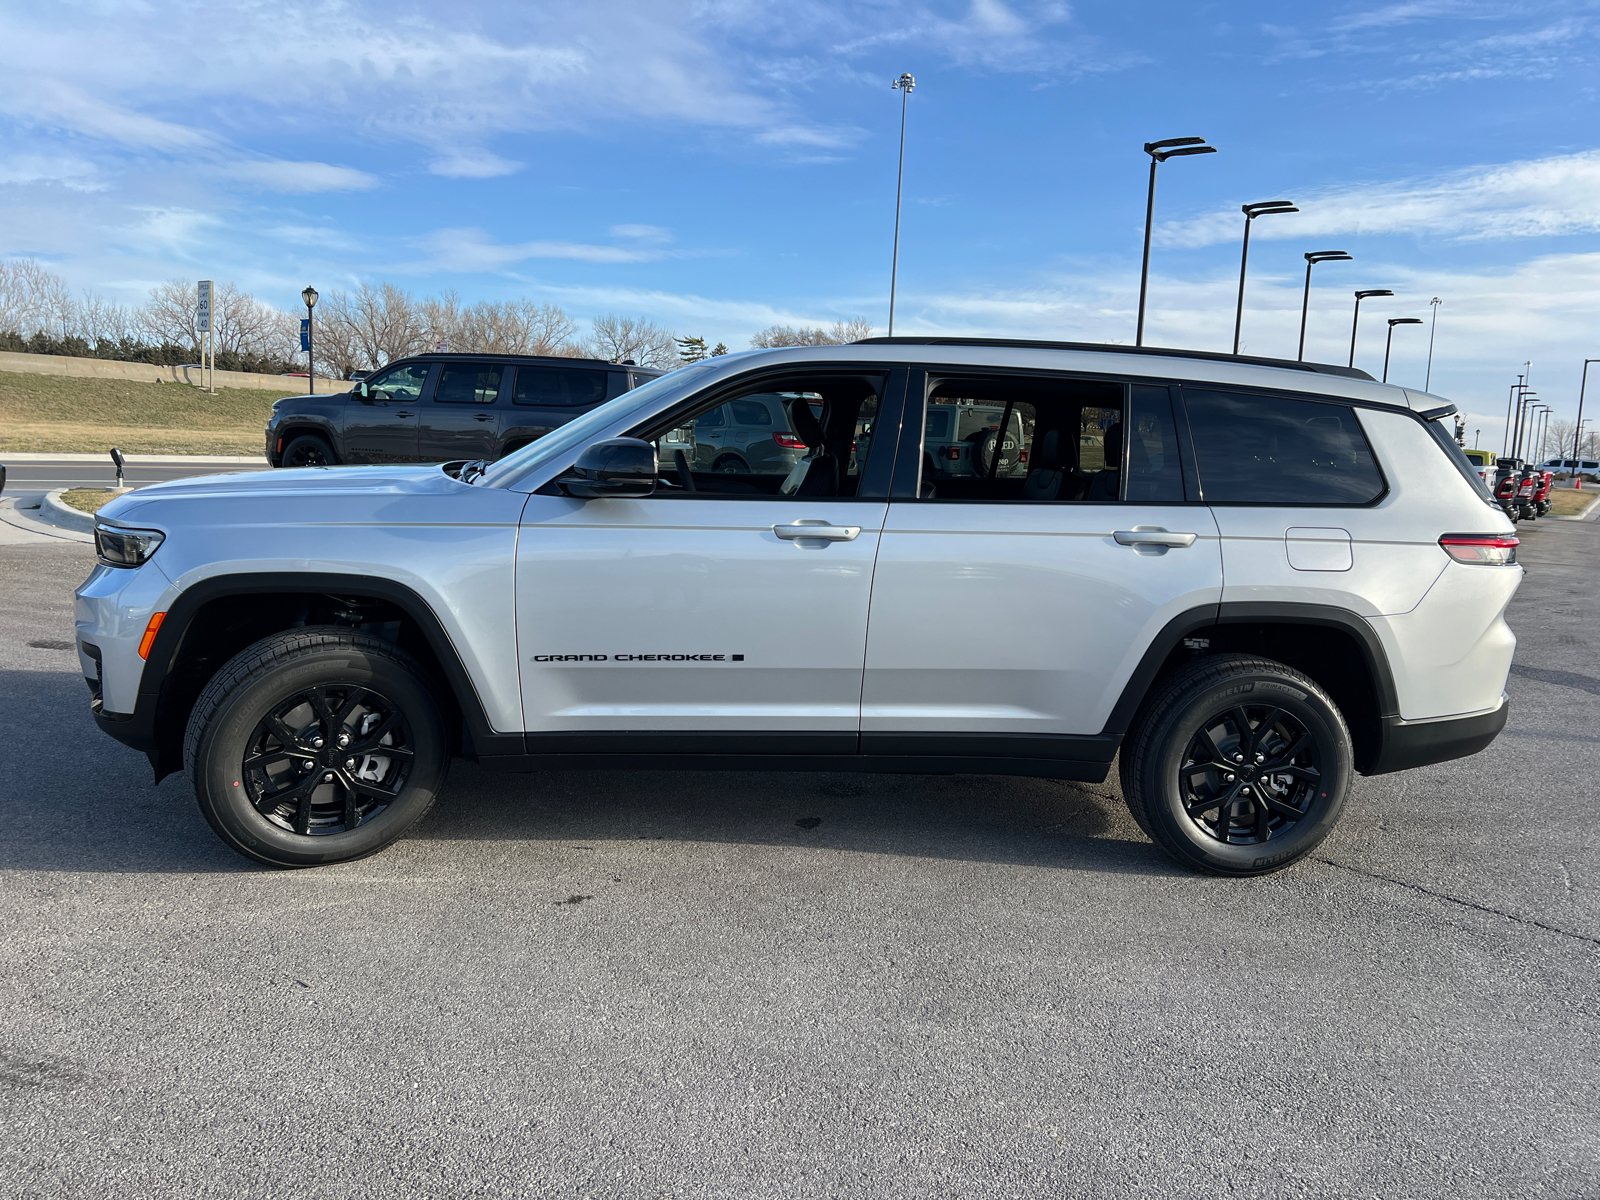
(298, 487)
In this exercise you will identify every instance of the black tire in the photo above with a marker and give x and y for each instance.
(308, 450)
(269, 724)
(731, 464)
(1259, 823)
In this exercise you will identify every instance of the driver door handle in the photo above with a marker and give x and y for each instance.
(817, 529)
(1153, 536)
(484, 417)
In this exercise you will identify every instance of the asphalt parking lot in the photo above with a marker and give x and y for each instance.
(708, 985)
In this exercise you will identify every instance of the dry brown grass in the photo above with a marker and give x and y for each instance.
(63, 415)
(1565, 502)
(86, 500)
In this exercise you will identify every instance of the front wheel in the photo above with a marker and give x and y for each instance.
(308, 450)
(317, 745)
(1237, 766)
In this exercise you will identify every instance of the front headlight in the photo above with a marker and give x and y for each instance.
(119, 547)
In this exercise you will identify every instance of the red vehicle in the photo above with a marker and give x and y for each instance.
(1527, 483)
(1541, 493)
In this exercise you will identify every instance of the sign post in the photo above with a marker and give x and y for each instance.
(203, 324)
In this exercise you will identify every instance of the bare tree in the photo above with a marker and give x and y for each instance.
(167, 318)
(842, 333)
(617, 338)
(103, 322)
(497, 327)
(34, 300)
(376, 325)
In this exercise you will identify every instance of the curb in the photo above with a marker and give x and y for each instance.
(139, 459)
(15, 518)
(64, 515)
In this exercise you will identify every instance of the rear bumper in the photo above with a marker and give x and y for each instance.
(1408, 744)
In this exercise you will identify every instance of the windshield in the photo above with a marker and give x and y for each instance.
(663, 389)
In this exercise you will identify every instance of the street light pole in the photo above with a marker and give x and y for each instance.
(1527, 398)
(905, 85)
(1159, 152)
(1312, 259)
(1577, 432)
(1251, 212)
(310, 297)
(1511, 398)
(1432, 329)
(1355, 320)
(1389, 344)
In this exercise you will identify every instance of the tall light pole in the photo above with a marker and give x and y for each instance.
(1427, 381)
(1251, 212)
(1159, 152)
(1360, 296)
(905, 85)
(1312, 259)
(1541, 422)
(1527, 398)
(310, 297)
(1576, 433)
(1389, 344)
(1511, 399)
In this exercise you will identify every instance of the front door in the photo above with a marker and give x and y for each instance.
(718, 605)
(460, 419)
(380, 424)
(1017, 596)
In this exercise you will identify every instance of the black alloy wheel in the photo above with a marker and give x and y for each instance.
(308, 450)
(730, 464)
(1250, 775)
(326, 759)
(1237, 765)
(317, 745)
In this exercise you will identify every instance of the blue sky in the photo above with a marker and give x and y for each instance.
(720, 166)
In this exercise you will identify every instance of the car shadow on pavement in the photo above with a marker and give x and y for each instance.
(977, 818)
(73, 799)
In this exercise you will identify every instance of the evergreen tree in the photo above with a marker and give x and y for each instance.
(692, 349)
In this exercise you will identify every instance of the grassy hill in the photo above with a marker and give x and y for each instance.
(61, 414)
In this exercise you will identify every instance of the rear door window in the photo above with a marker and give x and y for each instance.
(558, 387)
(468, 383)
(1265, 449)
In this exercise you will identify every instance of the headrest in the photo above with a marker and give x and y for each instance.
(805, 423)
(1113, 445)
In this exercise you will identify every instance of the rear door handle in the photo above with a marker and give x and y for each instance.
(402, 414)
(1153, 536)
(484, 417)
(817, 529)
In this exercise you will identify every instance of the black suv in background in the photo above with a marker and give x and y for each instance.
(440, 407)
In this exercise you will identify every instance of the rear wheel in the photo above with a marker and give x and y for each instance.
(1237, 766)
(731, 464)
(315, 746)
(308, 450)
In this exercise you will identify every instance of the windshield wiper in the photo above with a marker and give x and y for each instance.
(473, 469)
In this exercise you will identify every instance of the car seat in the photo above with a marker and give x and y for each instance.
(1052, 475)
(817, 474)
(1104, 484)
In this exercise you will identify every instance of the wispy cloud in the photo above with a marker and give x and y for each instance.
(278, 175)
(475, 250)
(1539, 198)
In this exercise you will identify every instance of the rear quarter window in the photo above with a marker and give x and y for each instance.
(559, 387)
(1265, 449)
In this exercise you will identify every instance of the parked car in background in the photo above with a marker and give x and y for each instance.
(442, 407)
(1565, 468)
(1483, 461)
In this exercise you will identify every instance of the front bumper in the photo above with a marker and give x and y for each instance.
(1408, 744)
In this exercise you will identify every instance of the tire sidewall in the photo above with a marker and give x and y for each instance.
(1307, 706)
(217, 775)
(311, 439)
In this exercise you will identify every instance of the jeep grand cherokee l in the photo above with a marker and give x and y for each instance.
(1245, 581)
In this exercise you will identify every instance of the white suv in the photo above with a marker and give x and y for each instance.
(1254, 579)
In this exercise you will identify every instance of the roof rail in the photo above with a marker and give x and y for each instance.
(1109, 348)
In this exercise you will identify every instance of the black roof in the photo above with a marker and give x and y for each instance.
(1109, 348)
(548, 359)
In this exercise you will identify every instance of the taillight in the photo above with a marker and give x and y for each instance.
(788, 441)
(1526, 489)
(953, 453)
(1480, 549)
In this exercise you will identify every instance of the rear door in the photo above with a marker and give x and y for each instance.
(380, 426)
(1009, 607)
(459, 418)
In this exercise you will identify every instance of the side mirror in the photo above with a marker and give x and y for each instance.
(621, 467)
(361, 390)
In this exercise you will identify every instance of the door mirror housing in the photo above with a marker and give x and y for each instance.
(621, 467)
(361, 390)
